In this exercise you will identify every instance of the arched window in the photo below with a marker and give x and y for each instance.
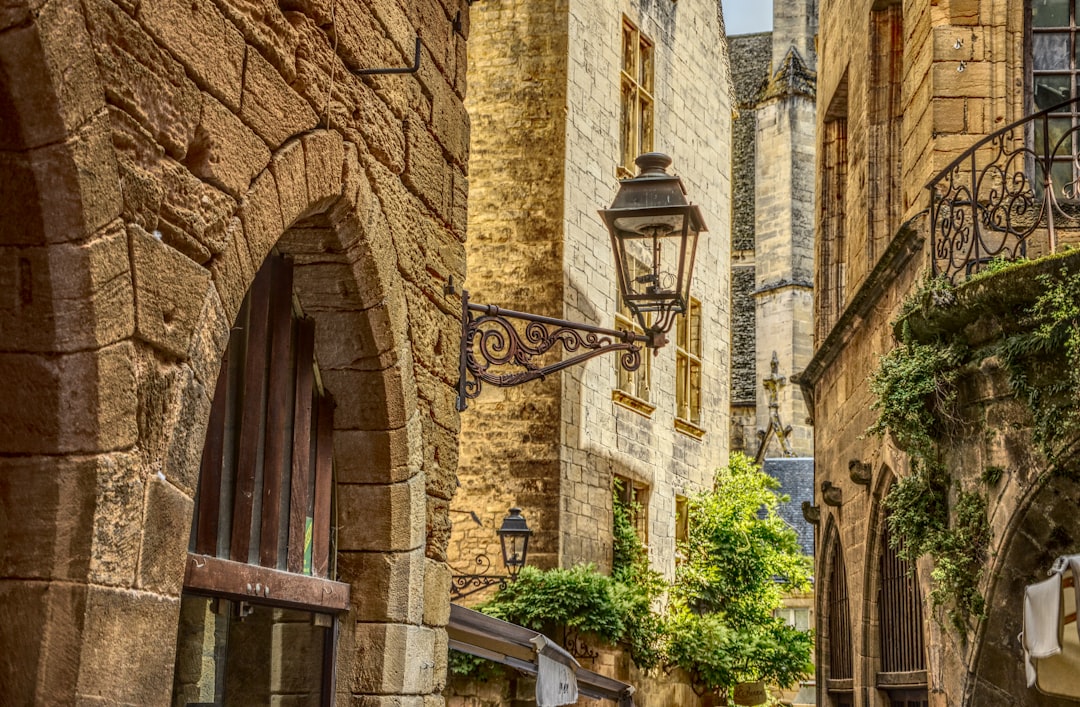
(902, 673)
(839, 683)
(257, 612)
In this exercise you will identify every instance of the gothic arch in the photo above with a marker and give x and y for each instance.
(836, 660)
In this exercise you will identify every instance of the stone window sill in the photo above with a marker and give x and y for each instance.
(689, 428)
(641, 407)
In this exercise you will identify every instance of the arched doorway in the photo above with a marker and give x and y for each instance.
(260, 599)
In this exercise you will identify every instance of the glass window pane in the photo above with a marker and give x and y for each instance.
(629, 47)
(646, 76)
(1061, 136)
(1050, 51)
(627, 142)
(1050, 13)
(695, 393)
(1051, 89)
(646, 126)
(1063, 176)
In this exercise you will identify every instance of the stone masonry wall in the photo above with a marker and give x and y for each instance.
(693, 126)
(510, 436)
(152, 156)
(945, 110)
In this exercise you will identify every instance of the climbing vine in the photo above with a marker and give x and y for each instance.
(916, 390)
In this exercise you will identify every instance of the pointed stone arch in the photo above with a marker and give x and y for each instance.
(836, 641)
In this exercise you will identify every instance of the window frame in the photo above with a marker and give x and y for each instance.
(1063, 159)
(688, 335)
(634, 495)
(633, 389)
(637, 106)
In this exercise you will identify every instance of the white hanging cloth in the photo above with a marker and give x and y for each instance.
(1051, 637)
(556, 675)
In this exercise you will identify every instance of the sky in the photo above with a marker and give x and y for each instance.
(746, 16)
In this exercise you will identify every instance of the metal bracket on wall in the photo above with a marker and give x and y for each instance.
(406, 70)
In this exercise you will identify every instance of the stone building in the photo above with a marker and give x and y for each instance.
(590, 86)
(228, 439)
(772, 256)
(904, 89)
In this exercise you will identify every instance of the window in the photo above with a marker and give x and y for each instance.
(636, 113)
(682, 526)
(633, 387)
(1054, 73)
(263, 518)
(797, 617)
(833, 256)
(688, 365)
(900, 617)
(838, 631)
(885, 118)
(633, 496)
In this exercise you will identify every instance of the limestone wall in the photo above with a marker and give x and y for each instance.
(962, 77)
(693, 125)
(152, 156)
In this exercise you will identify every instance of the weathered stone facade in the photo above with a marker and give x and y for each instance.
(152, 155)
(545, 148)
(772, 236)
(903, 89)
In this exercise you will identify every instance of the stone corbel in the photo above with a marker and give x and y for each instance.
(832, 495)
(811, 513)
(860, 472)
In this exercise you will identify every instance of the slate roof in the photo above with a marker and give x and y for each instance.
(796, 477)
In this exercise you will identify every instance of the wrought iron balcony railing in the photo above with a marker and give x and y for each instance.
(1013, 194)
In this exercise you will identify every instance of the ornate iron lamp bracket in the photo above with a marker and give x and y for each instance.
(490, 339)
(462, 585)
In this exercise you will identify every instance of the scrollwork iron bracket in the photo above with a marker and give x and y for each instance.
(490, 343)
(462, 585)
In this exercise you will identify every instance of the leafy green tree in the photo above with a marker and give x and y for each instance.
(740, 559)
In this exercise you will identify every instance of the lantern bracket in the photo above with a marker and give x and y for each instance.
(491, 344)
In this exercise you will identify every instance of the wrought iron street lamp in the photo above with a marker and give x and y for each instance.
(654, 234)
(514, 534)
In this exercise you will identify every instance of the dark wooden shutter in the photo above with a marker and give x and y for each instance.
(266, 482)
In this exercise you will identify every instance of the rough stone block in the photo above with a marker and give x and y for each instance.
(185, 431)
(141, 79)
(68, 297)
(118, 518)
(372, 400)
(169, 293)
(195, 208)
(44, 670)
(270, 106)
(397, 527)
(386, 586)
(233, 270)
(324, 154)
(62, 192)
(46, 517)
(394, 659)
(377, 456)
(260, 212)
(265, 26)
(224, 151)
(109, 641)
(80, 402)
(163, 554)
(290, 175)
(425, 169)
(436, 593)
(208, 46)
(51, 78)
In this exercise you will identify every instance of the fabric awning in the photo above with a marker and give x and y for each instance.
(1051, 636)
(516, 646)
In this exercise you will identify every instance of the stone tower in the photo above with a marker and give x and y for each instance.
(773, 240)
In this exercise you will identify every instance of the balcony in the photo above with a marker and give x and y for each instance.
(1013, 194)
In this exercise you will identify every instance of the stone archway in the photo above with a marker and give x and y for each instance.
(1046, 525)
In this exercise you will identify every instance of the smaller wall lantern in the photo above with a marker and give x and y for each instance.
(514, 534)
